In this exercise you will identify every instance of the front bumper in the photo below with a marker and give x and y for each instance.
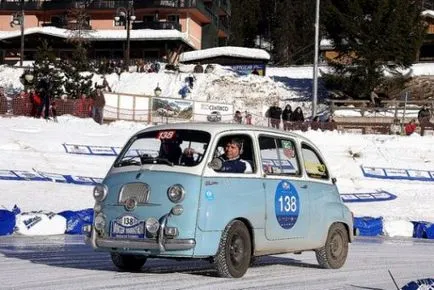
(161, 243)
(169, 245)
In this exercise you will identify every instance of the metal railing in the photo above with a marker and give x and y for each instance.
(395, 108)
(157, 25)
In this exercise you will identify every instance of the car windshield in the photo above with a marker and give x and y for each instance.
(169, 147)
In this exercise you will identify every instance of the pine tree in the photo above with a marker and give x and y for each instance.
(46, 70)
(77, 82)
(245, 19)
(370, 35)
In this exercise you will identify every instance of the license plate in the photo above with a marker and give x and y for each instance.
(128, 227)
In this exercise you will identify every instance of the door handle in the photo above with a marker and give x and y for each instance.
(304, 186)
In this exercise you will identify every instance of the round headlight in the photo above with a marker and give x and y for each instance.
(152, 225)
(100, 222)
(176, 193)
(100, 192)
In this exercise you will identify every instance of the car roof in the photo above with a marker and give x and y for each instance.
(215, 128)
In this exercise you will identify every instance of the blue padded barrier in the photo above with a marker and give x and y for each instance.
(394, 173)
(91, 150)
(368, 226)
(423, 230)
(380, 195)
(7, 222)
(22, 175)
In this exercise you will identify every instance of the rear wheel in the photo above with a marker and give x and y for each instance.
(234, 253)
(334, 253)
(128, 262)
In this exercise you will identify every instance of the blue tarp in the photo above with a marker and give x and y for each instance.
(75, 220)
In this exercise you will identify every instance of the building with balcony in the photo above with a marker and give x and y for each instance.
(156, 29)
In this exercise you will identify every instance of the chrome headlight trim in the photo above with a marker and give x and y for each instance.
(100, 222)
(176, 193)
(177, 209)
(100, 192)
(152, 225)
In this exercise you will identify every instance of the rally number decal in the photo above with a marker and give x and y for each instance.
(166, 135)
(286, 204)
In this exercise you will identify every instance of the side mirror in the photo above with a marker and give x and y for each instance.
(334, 180)
(216, 164)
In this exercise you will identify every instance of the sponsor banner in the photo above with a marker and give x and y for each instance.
(21, 175)
(395, 173)
(213, 112)
(91, 150)
(367, 196)
(246, 69)
(171, 108)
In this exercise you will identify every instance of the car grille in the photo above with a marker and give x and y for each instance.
(137, 191)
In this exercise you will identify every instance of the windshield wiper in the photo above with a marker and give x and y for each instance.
(129, 161)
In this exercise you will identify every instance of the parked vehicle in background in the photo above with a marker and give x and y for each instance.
(214, 116)
(167, 195)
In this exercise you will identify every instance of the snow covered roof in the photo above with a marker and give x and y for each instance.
(428, 13)
(100, 35)
(231, 51)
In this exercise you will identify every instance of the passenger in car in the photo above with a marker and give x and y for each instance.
(231, 159)
(187, 157)
(171, 150)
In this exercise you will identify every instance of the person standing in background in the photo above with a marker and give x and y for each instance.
(238, 118)
(286, 117)
(98, 106)
(424, 115)
(274, 114)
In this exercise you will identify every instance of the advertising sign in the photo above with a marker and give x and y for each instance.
(213, 112)
(163, 108)
(246, 69)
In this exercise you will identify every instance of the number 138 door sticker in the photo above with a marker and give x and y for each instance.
(286, 204)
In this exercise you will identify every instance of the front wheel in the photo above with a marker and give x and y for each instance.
(235, 250)
(334, 253)
(128, 262)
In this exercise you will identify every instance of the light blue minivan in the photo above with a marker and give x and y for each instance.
(166, 195)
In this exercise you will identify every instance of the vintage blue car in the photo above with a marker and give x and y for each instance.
(167, 195)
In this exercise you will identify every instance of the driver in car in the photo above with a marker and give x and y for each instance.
(231, 160)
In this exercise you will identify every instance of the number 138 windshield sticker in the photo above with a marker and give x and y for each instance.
(286, 204)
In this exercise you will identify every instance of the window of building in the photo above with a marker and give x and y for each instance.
(173, 18)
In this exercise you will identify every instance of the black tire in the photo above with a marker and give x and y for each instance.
(235, 251)
(128, 262)
(334, 253)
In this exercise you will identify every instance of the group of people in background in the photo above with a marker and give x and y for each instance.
(287, 116)
(238, 118)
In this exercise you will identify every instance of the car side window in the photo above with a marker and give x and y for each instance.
(315, 167)
(278, 156)
(245, 149)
